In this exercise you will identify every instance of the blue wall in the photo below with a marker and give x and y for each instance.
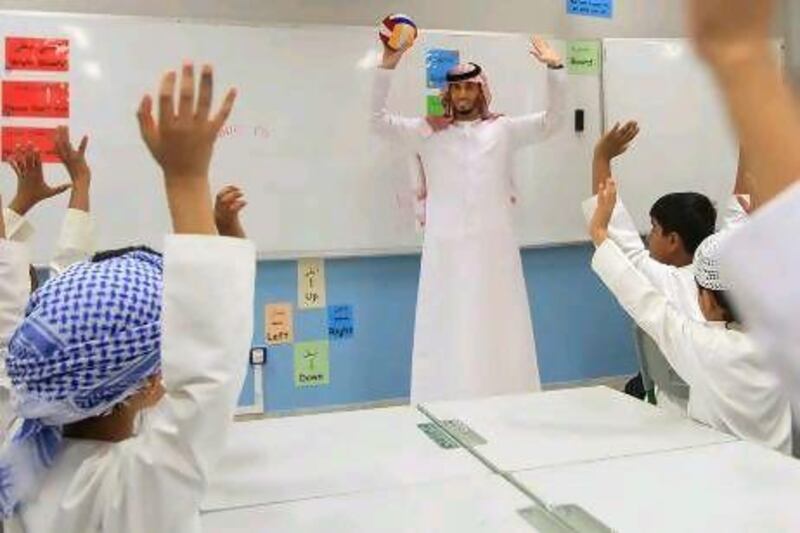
(581, 333)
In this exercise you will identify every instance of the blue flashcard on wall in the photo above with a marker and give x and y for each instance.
(591, 8)
(437, 63)
(341, 324)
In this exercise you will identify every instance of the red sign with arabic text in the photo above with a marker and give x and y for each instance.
(41, 138)
(35, 99)
(31, 53)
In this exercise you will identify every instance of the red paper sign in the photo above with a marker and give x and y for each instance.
(28, 53)
(35, 99)
(41, 138)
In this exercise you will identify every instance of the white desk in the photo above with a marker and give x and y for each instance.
(481, 504)
(305, 457)
(569, 426)
(734, 487)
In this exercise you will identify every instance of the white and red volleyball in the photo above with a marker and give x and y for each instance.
(398, 31)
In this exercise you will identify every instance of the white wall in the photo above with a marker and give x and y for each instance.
(633, 18)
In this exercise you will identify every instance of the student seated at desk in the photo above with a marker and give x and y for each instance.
(733, 386)
(734, 38)
(680, 222)
(87, 359)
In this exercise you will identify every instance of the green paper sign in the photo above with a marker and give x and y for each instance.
(583, 57)
(312, 364)
(435, 107)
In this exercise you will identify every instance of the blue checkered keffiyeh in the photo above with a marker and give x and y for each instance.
(90, 339)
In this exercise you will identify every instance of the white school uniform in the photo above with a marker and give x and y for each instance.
(154, 482)
(677, 284)
(14, 294)
(473, 333)
(75, 241)
(762, 263)
(75, 244)
(733, 385)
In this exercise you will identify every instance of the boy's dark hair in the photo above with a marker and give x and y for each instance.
(689, 214)
(724, 301)
(105, 255)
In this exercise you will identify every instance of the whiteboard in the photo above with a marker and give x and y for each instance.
(298, 142)
(686, 142)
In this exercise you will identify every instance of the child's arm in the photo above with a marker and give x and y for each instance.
(646, 305)
(206, 323)
(76, 241)
(733, 38)
(621, 228)
(14, 293)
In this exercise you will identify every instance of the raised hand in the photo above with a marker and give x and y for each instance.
(31, 185)
(606, 200)
(229, 203)
(726, 32)
(182, 143)
(544, 53)
(617, 140)
(733, 38)
(77, 167)
(391, 58)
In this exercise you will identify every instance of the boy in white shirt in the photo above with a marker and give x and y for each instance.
(762, 260)
(733, 386)
(75, 242)
(680, 222)
(84, 371)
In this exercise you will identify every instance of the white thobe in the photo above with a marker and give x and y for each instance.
(75, 240)
(473, 334)
(14, 294)
(762, 262)
(75, 244)
(155, 481)
(677, 284)
(733, 385)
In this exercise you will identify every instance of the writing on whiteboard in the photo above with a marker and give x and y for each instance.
(244, 130)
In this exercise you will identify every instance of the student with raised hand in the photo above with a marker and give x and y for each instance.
(733, 385)
(14, 294)
(680, 222)
(762, 260)
(74, 243)
(79, 460)
(76, 239)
